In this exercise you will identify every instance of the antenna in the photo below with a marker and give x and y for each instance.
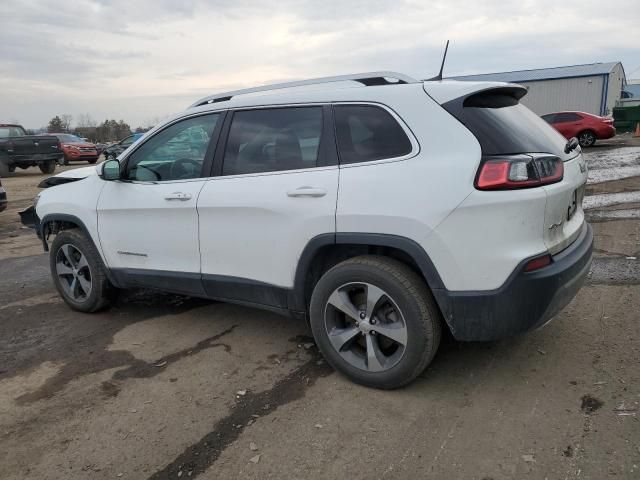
(444, 57)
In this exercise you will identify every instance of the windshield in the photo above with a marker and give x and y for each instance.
(66, 138)
(503, 126)
(12, 131)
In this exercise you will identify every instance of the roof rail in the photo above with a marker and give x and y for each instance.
(367, 79)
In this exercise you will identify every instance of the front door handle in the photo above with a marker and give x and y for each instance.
(178, 196)
(307, 192)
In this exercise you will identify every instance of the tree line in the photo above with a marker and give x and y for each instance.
(108, 131)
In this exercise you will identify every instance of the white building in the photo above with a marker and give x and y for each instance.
(593, 88)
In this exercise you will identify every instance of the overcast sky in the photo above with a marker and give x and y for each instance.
(140, 60)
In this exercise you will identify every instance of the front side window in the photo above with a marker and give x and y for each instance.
(175, 153)
(271, 140)
(366, 133)
(127, 141)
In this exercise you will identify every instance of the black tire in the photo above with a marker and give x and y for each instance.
(47, 167)
(102, 292)
(5, 169)
(92, 161)
(408, 291)
(586, 138)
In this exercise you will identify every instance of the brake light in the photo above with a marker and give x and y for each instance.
(606, 119)
(538, 263)
(521, 171)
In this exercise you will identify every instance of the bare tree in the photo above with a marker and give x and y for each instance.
(85, 120)
(66, 121)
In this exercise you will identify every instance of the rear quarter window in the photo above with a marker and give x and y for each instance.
(366, 133)
(503, 126)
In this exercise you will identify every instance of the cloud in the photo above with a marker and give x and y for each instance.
(144, 59)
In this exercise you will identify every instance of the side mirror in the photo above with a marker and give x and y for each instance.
(110, 170)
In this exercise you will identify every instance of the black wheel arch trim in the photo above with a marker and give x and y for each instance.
(297, 300)
(64, 217)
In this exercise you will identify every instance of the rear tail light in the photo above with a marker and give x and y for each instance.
(518, 171)
(607, 120)
(538, 263)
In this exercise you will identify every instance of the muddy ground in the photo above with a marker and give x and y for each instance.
(162, 386)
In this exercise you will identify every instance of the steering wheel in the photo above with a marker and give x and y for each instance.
(178, 169)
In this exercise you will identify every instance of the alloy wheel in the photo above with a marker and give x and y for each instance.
(365, 326)
(74, 274)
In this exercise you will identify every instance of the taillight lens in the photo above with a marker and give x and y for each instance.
(521, 171)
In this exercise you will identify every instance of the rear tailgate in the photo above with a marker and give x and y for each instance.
(34, 146)
(564, 216)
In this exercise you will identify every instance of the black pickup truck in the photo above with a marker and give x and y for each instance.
(17, 149)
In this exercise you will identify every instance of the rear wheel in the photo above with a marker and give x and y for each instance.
(375, 320)
(5, 169)
(93, 161)
(47, 167)
(78, 272)
(586, 138)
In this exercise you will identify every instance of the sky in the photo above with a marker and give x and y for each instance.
(142, 60)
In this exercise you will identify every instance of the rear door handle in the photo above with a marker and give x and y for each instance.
(307, 192)
(178, 196)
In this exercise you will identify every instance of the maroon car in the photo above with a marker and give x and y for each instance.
(587, 128)
(76, 149)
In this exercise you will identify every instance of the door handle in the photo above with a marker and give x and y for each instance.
(178, 196)
(307, 192)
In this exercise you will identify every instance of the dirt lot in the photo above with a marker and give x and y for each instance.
(162, 386)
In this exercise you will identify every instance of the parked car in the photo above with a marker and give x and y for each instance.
(459, 208)
(587, 128)
(116, 149)
(77, 149)
(19, 150)
(3, 197)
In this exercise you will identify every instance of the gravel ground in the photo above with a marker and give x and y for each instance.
(164, 386)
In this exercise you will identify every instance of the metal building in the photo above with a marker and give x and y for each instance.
(593, 88)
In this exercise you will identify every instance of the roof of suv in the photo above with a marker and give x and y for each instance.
(359, 87)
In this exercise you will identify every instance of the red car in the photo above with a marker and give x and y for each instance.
(587, 128)
(76, 149)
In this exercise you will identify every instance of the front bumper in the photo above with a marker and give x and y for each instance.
(29, 218)
(526, 301)
(3, 198)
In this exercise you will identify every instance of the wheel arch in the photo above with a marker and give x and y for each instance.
(327, 250)
(54, 223)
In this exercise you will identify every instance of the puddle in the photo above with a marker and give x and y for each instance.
(608, 199)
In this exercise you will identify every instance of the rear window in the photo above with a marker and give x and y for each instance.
(504, 126)
(12, 131)
(366, 133)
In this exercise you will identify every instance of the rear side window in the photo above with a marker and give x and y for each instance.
(366, 133)
(567, 117)
(272, 140)
(503, 126)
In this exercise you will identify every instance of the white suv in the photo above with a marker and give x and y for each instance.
(380, 208)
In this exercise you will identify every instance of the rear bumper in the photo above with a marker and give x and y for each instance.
(33, 159)
(526, 301)
(606, 132)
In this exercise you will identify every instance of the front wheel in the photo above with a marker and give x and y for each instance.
(375, 320)
(92, 161)
(586, 138)
(78, 272)
(47, 167)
